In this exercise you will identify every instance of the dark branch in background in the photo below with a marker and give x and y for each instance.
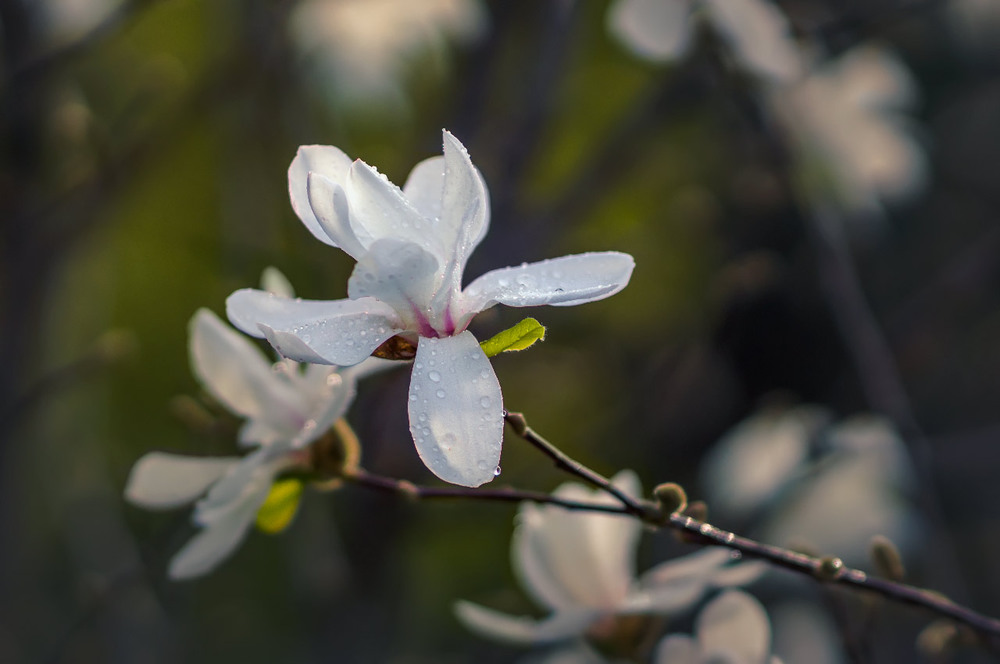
(828, 569)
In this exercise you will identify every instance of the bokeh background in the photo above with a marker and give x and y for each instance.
(143, 154)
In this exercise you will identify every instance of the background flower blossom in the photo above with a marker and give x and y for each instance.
(286, 410)
(581, 567)
(756, 31)
(411, 247)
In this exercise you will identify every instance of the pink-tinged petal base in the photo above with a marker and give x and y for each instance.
(456, 410)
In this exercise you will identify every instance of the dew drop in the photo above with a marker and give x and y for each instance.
(434, 376)
(440, 394)
(413, 397)
(485, 402)
(422, 417)
(496, 471)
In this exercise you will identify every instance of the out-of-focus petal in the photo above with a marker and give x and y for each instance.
(562, 281)
(522, 629)
(398, 273)
(698, 564)
(220, 537)
(665, 599)
(759, 33)
(326, 160)
(161, 481)
(756, 458)
(657, 30)
(734, 625)
(236, 373)
(739, 574)
(274, 281)
(533, 563)
(678, 649)
(455, 409)
(332, 212)
(342, 332)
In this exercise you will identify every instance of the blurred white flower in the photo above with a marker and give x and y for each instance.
(829, 487)
(286, 410)
(581, 567)
(364, 46)
(847, 121)
(732, 628)
(756, 31)
(69, 19)
(411, 247)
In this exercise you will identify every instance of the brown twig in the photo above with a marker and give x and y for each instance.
(827, 569)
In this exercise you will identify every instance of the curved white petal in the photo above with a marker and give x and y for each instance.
(325, 160)
(220, 537)
(699, 564)
(161, 481)
(399, 273)
(236, 373)
(740, 574)
(522, 629)
(380, 210)
(567, 559)
(465, 208)
(342, 332)
(425, 185)
(759, 33)
(332, 212)
(678, 649)
(562, 281)
(333, 400)
(734, 625)
(658, 30)
(665, 599)
(456, 410)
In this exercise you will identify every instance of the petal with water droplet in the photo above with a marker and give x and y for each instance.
(455, 442)
(326, 160)
(562, 282)
(314, 331)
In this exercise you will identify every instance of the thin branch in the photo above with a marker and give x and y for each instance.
(644, 510)
(832, 570)
(505, 495)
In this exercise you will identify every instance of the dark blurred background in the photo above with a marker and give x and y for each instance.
(143, 154)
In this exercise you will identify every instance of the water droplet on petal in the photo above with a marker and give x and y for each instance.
(485, 402)
(496, 472)
(434, 376)
(422, 417)
(440, 394)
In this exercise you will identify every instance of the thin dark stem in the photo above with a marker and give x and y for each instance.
(832, 570)
(562, 461)
(505, 495)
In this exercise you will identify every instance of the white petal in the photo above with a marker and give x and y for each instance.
(425, 186)
(380, 210)
(678, 649)
(220, 537)
(315, 331)
(562, 281)
(522, 629)
(325, 160)
(465, 209)
(739, 574)
(456, 410)
(658, 30)
(759, 33)
(665, 599)
(700, 564)
(333, 400)
(734, 624)
(399, 273)
(236, 373)
(332, 212)
(161, 481)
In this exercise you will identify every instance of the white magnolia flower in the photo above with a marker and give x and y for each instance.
(286, 410)
(733, 629)
(411, 246)
(363, 46)
(847, 121)
(581, 567)
(756, 31)
(831, 487)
